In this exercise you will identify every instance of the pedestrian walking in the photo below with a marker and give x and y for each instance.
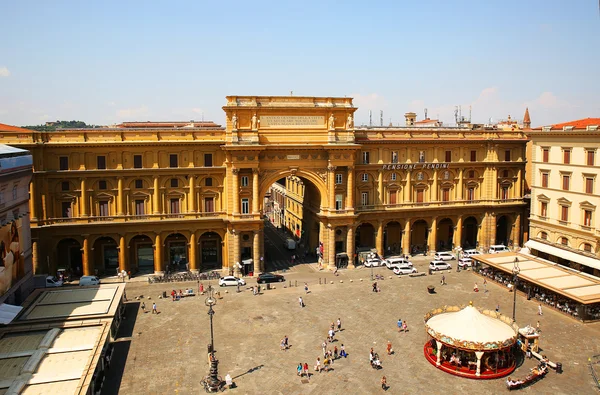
(286, 342)
(399, 324)
(404, 326)
(282, 345)
(332, 326)
(384, 383)
(154, 310)
(324, 347)
(144, 308)
(484, 285)
(335, 352)
(305, 370)
(339, 324)
(343, 351)
(443, 280)
(299, 369)
(300, 301)
(375, 286)
(537, 328)
(331, 334)
(201, 289)
(540, 309)
(389, 348)
(318, 365)
(306, 288)
(497, 308)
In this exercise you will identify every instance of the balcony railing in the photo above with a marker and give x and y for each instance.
(130, 218)
(433, 204)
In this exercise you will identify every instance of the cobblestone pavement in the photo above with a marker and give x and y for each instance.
(166, 353)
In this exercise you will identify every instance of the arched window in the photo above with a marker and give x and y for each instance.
(471, 174)
(564, 241)
(587, 247)
(544, 236)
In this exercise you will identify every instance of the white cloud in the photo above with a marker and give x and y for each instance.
(131, 113)
(111, 104)
(549, 100)
(197, 110)
(4, 72)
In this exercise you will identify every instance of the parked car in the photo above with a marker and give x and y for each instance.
(231, 280)
(269, 278)
(53, 282)
(470, 253)
(465, 262)
(374, 262)
(88, 280)
(404, 269)
(439, 265)
(444, 256)
(395, 261)
(496, 249)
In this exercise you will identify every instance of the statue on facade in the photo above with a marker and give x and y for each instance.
(331, 122)
(234, 121)
(350, 122)
(254, 122)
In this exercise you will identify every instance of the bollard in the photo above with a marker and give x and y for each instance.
(290, 284)
(319, 280)
(296, 283)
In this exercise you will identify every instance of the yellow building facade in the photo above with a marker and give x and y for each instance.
(160, 196)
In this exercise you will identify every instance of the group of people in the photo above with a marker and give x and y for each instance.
(402, 325)
(284, 344)
(329, 356)
(178, 295)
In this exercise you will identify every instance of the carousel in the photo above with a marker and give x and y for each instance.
(467, 342)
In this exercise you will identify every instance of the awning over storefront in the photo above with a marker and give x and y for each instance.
(564, 254)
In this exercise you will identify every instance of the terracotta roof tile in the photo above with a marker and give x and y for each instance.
(9, 128)
(577, 124)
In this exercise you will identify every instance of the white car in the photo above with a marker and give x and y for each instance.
(470, 253)
(405, 269)
(496, 249)
(373, 262)
(439, 265)
(231, 280)
(444, 256)
(396, 261)
(465, 262)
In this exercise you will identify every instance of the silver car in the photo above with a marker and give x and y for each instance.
(404, 270)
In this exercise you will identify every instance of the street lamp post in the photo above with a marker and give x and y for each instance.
(213, 382)
(516, 270)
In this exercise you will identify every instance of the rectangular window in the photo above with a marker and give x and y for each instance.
(421, 156)
(471, 193)
(589, 185)
(139, 184)
(365, 157)
(338, 179)
(338, 202)
(507, 155)
(446, 195)
(545, 178)
(393, 195)
(564, 213)
(137, 161)
(101, 162)
(420, 196)
(567, 156)
(587, 217)
(364, 198)
(66, 209)
(591, 156)
(448, 156)
(393, 177)
(504, 193)
(208, 182)
(543, 209)
(102, 184)
(64, 163)
(473, 156)
(174, 183)
(175, 206)
(64, 185)
(244, 181)
(245, 206)
(565, 182)
(139, 207)
(394, 156)
(173, 160)
(209, 205)
(364, 177)
(103, 208)
(545, 155)
(208, 160)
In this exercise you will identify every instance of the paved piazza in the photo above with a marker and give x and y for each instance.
(167, 352)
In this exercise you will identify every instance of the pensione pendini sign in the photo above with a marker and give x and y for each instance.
(415, 166)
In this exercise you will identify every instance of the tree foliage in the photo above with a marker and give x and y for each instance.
(52, 126)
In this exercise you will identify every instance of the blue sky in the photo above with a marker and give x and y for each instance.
(105, 62)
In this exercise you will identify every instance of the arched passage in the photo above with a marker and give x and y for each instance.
(392, 238)
(418, 236)
(365, 236)
(69, 256)
(211, 253)
(471, 228)
(502, 230)
(141, 254)
(445, 232)
(176, 252)
(106, 255)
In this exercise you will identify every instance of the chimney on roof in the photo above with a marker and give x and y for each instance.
(410, 118)
(526, 119)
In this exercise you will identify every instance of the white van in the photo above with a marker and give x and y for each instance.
(290, 244)
(496, 249)
(397, 261)
(89, 280)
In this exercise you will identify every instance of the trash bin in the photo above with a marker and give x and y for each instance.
(164, 294)
(558, 367)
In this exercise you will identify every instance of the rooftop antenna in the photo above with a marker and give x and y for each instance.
(291, 93)
(469, 114)
(426, 114)
(380, 117)
(456, 114)
(460, 118)
(370, 118)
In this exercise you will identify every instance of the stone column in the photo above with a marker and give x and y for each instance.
(192, 195)
(519, 186)
(478, 354)
(350, 189)
(88, 264)
(379, 238)
(236, 190)
(433, 235)
(350, 246)
(516, 232)
(120, 196)
(380, 187)
(407, 188)
(331, 249)
(434, 187)
(236, 254)
(158, 255)
(495, 183)
(458, 232)
(83, 205)
(406, 238)
(492, 230)
(331, 182)
(255, 197)
(123, 264)
(32, 201)
(256, 252)
(193, 253)
(440, 345)
(35, 258)
(156, 197)
(459, 189)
